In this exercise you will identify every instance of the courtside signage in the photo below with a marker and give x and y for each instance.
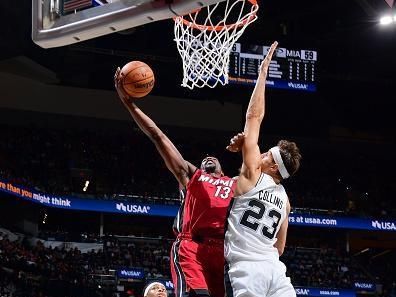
(131, 273)
(307, 220)
(88, 204)
(320, 292)
(131, 208)
(365, 286)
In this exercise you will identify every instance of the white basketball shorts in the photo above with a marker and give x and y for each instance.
(257, 279)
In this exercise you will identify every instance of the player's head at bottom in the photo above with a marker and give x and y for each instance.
(211, 165)
(155, 289)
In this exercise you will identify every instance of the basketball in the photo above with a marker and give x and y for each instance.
(138, 79)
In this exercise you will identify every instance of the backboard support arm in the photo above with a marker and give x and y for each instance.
(52, 29)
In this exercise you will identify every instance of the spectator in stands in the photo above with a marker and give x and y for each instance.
(52, 156)
(155, 289)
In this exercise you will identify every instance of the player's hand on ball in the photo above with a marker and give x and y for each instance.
(236, 143)
(118, 77)
(267, 60)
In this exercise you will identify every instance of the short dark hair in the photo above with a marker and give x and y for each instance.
(290, 155)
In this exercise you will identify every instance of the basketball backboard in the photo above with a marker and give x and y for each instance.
(61, 22)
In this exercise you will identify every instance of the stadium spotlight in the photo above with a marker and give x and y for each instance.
(386, 20)
(86, 186)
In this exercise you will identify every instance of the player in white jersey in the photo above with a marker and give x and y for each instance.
(258, 216)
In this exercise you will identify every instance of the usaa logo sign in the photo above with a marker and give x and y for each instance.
(144, 209)
(303, 292)
(383, 225)
(131, 273)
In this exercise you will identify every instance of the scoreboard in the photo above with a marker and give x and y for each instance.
(289, 68)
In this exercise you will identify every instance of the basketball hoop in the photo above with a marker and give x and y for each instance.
(205, 38)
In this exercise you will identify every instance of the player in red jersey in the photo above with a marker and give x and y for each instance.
(197, 256)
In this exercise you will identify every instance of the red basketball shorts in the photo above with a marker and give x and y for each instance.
(198, 267)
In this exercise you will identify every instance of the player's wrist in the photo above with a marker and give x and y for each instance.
(263, 75)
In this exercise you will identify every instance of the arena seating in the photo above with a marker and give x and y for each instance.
(116, 164)
(34, 268)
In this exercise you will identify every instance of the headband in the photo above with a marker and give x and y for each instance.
(278, 160)
(148, 288)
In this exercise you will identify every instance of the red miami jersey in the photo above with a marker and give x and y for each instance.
(206, 205)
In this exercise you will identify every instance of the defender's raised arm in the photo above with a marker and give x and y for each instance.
(254, 116)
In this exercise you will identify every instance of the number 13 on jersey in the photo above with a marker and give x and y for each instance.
(222, 192)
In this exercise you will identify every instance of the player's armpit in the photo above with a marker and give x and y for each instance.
(185, 173)
(174, 161)
(247, 180)
(251, 159)
(190, 169)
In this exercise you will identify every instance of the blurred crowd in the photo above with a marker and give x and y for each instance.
(124, 164)
(35, 270)
(321, 267)
(66, 236)
(153, 255)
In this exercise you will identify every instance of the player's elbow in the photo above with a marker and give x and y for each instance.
(280, 250)
(156, 134)
(280, 246)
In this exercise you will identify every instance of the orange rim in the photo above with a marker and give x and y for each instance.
(219, 28)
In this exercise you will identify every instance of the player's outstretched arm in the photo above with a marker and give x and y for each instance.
(254, 117)
(175, 162)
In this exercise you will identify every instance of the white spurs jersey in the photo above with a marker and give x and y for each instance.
(254, 221)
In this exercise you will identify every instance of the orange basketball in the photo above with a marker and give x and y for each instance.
(138, 79)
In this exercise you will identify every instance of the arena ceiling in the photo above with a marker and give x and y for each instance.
(356, 67)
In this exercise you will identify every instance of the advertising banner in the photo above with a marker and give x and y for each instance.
(319, 292)
(308, 220)
(131, 273)
(149, 209)
(365, 286)
(97, 205)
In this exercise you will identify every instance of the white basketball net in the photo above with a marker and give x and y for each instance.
(205, 38)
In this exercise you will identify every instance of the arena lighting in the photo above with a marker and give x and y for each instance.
(386, 20)
(86, 186)
(361, 252)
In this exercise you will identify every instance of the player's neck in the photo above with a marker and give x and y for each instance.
(276, 179)
(215, 174)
